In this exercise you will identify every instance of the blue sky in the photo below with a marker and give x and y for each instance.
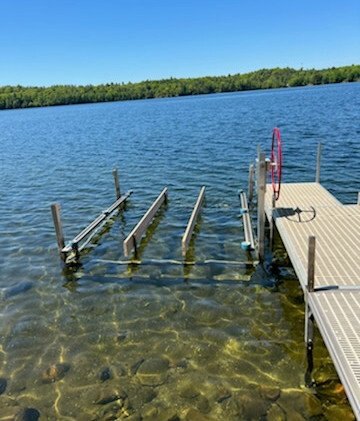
(45, 42)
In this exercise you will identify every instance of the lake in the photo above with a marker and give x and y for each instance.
(162, 341)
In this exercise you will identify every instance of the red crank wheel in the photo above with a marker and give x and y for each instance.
(276, 162)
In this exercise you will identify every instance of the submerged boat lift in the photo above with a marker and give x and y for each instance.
(70, 253)
(309, 220)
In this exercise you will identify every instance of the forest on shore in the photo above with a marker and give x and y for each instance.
(28, 96)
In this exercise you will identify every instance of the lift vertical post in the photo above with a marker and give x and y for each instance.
(55, 210)
(251, 182)
(117, 183)
(261, 189)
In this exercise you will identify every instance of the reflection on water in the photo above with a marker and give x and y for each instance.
(160, 340)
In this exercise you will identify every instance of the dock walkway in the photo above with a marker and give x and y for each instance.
(308, 209)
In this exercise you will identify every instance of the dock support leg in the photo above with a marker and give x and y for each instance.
(117, 183)
(261, 188)
(309, 317)
(309, 342)
(55, 210)
(318, 162)
(358, 202)
(136, 253)
(251, 183)
(272, 222)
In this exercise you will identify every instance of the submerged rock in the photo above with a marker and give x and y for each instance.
(28, 414)
(202, 404)
(110, 394)
(121, 336)
(269, 392)
(153, 372)
(3, 385)
(194, 415)
(55, 372)
(135, 367)
(189, 392)
(222, 394)
(105, 374)
(140, 395)
(338, 412)
(305, 404)
(253, 407)
(149, 413)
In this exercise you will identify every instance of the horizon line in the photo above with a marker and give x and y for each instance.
(179, 78)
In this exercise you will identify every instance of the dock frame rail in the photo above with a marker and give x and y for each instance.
(133, 239)
(249, 243)
(185, 241)
(70, 253)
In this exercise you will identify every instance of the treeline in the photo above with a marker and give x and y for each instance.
(23, 97)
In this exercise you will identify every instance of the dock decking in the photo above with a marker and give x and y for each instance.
(308, 209)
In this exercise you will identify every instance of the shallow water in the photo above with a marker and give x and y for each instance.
(161, 341)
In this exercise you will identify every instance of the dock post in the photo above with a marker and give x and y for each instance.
(261, 188)
(273, 207)
(55, 210)
(318, 162)
(311, 264)
(251, 182)
(309, 317)
(117, 183)
(358, 202)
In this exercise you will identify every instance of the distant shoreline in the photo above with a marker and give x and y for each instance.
(15, 97)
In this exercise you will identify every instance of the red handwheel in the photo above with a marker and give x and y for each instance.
(276, 162)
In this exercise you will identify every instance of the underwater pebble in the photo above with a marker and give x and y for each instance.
(299, 402)
(271, 393)
(337, 412)
(141, 396)
(182, 364)
(253, 407)
(121, 336)
(189, 392)
(135, 367)
(153, 372)
(330, 389)
(28, 414)
(168, 414)
(110, 394)
(3, 385)
(110, 412)
(55, 372)
(222, 395)
(105, 374)
(194, 415)
(149, 413)
(202, 404)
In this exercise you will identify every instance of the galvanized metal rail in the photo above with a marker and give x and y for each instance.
(71, 251)
(93, 225)
(185, 241)
(132, 240)
(249, 243)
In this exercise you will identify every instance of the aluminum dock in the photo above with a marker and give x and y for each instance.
(328, 268)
